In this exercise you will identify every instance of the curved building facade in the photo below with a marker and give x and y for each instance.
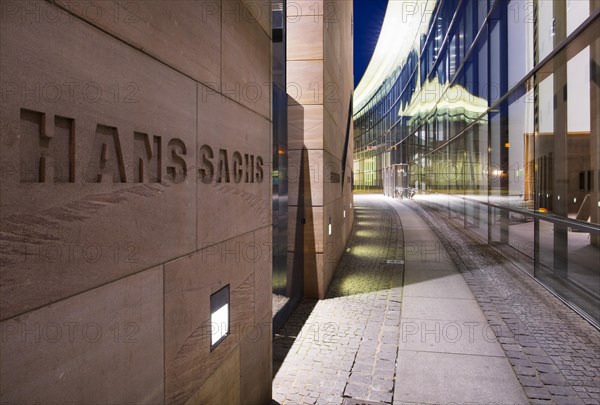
(490, 110)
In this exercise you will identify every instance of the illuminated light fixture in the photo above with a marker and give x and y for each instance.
(546, 195)
(507, 145)
(281, 152)
(558, 198)
(575, 199)
(329, 226)
(344, 213)
(219, 316)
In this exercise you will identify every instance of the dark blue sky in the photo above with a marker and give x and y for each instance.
(368, 17)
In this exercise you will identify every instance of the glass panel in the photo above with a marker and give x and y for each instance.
(535, 156)
(572, 272)
(520, 40)
(577, 12)
(546, 28)
(476, 219)
(521, 239)
(546, 249)
(583, 273)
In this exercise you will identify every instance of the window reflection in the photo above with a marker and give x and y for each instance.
(497, 105)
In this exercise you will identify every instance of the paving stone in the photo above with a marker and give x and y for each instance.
(534, 351)
(555, 339)
(561, 390)
(567, 400)
(537, 393)
(366, 315)
(523, 362)
(512, 348)
(546, 368)
(553, 351)
(530, 381)
(525, 371)
(386, 385)
(541, 360)
(553, 379)
(360, 379)
(385, 365)
(378, 396)
(356, 391)
(518, 355)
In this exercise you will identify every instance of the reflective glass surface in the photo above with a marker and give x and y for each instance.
(491, 110)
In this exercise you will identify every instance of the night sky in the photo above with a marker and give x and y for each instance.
(368, 17)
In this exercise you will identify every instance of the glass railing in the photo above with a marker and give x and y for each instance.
(561, 253)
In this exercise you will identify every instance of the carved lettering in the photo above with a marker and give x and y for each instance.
(238, 171)
(148, 158)
(176, 167)
(47, 154)
(259, 169)
(334, 177)
(107, 157)
(249, 168)
(206, 170)
(47, 148)
(223, 166)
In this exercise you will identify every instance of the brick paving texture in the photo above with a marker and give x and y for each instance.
(347, 345)
(554, 352)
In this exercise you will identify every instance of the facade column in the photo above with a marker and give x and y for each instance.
(595, 129)
(560, 161)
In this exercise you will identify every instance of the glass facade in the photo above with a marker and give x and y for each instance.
(491, 112)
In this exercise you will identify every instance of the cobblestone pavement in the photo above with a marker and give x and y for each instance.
(346, 345)
(554, 352)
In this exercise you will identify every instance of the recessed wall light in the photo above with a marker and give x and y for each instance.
(219, 316)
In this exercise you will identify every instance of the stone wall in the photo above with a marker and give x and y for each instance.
(320, 79)
(135, 182)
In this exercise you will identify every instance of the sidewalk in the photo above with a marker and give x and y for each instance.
(346, 345)
(448, 351)
(554, 352)
(391, 332)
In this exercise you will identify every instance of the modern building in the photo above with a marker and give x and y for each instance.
(142, 144)
(490, 110)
